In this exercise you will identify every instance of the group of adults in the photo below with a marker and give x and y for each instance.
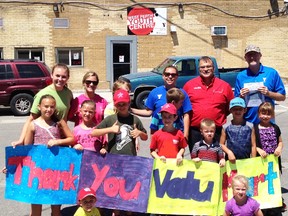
(209, 96)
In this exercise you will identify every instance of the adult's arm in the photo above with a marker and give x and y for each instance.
(186, 121)
(273, 95)
(20, 141)
(142, 112)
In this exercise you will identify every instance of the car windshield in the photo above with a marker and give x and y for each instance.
(159, 69)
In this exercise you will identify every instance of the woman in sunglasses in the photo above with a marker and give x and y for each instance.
(90, 81)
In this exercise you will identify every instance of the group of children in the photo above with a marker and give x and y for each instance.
(118, 132)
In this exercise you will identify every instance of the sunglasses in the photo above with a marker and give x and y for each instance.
(170, 74)
(88, 82)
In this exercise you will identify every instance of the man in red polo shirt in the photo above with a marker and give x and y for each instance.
(210, 98)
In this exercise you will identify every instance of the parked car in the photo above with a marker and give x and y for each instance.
(20, 80)
(143, 82)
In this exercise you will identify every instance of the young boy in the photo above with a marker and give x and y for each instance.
(122, 128)
(238, 136)
(176, 97)
(87, 200)
(168, 142)
(208, 149)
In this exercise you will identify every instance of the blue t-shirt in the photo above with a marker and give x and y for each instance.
(271, 80)
(157, 123)
(157, 98)
(238, 139)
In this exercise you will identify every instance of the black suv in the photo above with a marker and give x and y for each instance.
(20, 80)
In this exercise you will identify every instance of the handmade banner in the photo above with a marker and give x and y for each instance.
(40, 175)
(120, 181)
(192, 188)
(264, 180)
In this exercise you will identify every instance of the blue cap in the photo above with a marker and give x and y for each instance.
(237, 102)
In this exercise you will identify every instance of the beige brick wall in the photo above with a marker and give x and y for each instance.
(31, 25)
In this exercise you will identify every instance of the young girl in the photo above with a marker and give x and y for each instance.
(268, 138)
(268, 134)
(82, 131)
(241, 204)
(47, 130)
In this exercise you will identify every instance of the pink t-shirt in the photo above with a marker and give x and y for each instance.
(74, 113)
(83, 137)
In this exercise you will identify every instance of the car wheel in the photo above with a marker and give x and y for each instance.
(21, 104)
(141, 99)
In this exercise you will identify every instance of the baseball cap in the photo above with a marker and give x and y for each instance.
(121, 96)
(170, 108)
(86, 192)
(252, 48)
(237, 102)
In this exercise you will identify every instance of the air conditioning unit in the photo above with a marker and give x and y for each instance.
(219, 30)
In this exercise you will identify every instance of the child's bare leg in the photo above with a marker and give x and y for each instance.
(116, 213)
(36, 210)
(56, 210)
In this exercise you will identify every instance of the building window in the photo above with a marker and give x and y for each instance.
(1, 53)
(61, 23)
(70, 56)
(27, 53)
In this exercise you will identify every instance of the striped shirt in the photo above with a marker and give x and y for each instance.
(205, 152)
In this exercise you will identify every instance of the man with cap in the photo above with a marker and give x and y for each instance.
(257, 84)
(238, 136)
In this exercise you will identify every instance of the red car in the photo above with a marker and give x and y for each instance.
(20, 80)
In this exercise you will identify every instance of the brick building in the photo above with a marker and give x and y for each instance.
(92, 35)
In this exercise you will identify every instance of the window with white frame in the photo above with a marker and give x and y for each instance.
(29, 53)
(70, 56)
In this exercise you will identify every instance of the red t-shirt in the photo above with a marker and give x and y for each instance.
(168, 144)
(209, 102)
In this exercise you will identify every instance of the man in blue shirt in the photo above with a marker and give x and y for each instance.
(157, 98)
(257, 84)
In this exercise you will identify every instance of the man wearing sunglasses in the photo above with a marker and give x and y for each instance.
(157, 98)
(210, 98)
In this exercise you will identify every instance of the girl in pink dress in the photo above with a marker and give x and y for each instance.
(48, 130)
